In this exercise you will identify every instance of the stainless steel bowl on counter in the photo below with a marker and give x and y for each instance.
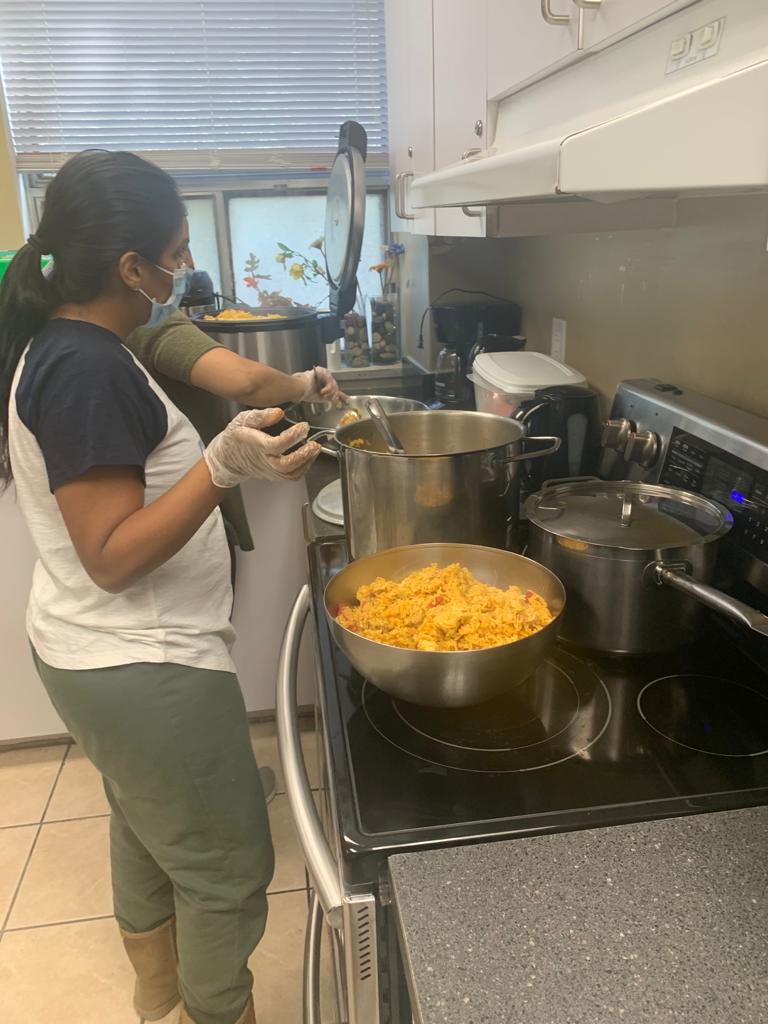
(457, 483)
(635, 559)
(325, 416)
(446, 679)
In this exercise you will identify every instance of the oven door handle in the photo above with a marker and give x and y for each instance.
(319, 859)
(312, 948)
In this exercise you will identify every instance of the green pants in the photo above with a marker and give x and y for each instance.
(189, 829)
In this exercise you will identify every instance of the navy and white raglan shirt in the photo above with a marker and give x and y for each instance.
(79, 400)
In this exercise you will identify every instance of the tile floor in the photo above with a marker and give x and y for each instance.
(59, 946)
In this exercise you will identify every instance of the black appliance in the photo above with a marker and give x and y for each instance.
(590, 740)
(572, 414)
(463, 330)
(199, 297)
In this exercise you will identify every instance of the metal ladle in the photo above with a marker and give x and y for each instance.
(384, 427)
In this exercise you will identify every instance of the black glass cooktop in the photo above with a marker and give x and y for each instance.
(587, 740)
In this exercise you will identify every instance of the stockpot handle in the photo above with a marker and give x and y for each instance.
(325, 432)
(326, 449)
(553, 444)
(321, 865)
(674, 575)
(556, 481)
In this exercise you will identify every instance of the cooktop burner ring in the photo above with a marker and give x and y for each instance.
(584, 727)
(494, 750)
(758, 701)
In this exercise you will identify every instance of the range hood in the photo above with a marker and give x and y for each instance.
(634, 120)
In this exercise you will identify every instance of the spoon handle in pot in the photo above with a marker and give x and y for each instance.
(671, 576)
(380, 418)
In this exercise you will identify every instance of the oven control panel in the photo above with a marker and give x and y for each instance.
(697, 465)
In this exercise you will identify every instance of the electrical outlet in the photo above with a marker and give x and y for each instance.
(557, 347)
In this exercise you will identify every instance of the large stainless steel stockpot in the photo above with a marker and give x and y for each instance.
(458, 481)
(635, 560)
(446, 679)
(293, 343)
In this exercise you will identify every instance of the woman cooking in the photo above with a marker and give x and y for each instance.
(128, 616)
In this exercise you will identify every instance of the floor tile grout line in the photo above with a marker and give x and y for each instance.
(58, 821)
(285, 892)
(110, 917)
(79, 817)
(23, 874)
(58, 924)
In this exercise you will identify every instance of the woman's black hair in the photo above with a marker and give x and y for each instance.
(99, 206)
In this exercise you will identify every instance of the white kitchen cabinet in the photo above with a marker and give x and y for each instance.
(617, 17)
(411, 102)
(459, 58)
(25, 711)
(522, 44)
(268, 580)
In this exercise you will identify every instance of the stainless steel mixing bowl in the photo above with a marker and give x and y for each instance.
(446, 679)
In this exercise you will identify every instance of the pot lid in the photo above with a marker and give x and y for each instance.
(345, 217)
(523, 373)
(629, 516)
(272, 318)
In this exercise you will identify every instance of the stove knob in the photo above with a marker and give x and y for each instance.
(616, 433)
(643, 448)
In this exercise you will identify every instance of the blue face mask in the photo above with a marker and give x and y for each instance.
(162, 310)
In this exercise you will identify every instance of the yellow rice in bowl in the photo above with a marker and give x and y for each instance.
(443, 609)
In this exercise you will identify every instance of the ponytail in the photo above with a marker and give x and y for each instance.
(99, 206)
(26, 303)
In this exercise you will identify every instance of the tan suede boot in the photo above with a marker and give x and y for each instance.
(153, 955)
(248, 1015)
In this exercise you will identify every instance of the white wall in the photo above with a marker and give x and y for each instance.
(688, 303)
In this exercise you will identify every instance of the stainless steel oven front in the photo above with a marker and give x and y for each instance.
(355, 918)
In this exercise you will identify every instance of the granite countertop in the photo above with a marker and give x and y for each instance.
(663, 921)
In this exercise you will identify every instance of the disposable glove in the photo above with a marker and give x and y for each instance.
(243, 451)
(319, 386)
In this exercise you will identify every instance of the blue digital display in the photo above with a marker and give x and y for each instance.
(738, 497)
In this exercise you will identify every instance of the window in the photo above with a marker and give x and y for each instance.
(259, 223)
(214, 84)
(240, 99)
(202, 234)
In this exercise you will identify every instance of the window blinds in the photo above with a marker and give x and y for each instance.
(193, 84)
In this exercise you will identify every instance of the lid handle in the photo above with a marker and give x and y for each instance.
(626, 508)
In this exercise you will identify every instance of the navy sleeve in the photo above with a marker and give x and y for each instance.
(88, 405)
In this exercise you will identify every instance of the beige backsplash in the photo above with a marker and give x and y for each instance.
(687, 304)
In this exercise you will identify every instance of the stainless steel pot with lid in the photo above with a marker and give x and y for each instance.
(297, 340)
(635, 559)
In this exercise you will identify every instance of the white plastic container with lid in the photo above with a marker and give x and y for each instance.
(504, 380)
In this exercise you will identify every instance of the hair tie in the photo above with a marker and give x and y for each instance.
(36, 244)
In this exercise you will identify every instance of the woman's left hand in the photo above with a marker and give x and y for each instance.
(319, 386)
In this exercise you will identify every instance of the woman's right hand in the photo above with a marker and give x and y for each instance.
(243, 451)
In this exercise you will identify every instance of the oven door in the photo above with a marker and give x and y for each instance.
(351, 917)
